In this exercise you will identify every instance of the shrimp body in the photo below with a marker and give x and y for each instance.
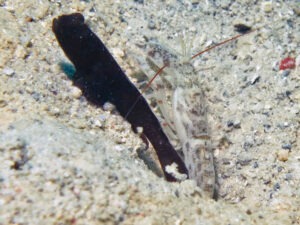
(183, 107)
(190, 119)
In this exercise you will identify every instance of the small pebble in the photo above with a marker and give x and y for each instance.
(3, 103)
(151, 25)
(226, 161)
(54, 111)
(244, 159)
(102, 117)
(139, 1)
(288, 176)
(247, 145)
(266, 180)
(76, 92)
(195, 1)
(235, 124)
(98, 123)
(118, 53)
(279, 169)
(139, 130)
(36, 96)
(242, 28)
(255, 165)
(20, 52)
(267, 127)
(283, 125)
(286, 146)
(119, 148)
(224, 142)
(267, 6)
(286, 73)
(282, 155)
(8, 71)
(108, 107)
(276, 187)
(229, 123)
(255, 79)
(244, 162)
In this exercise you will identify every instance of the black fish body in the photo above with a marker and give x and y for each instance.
(102, 80)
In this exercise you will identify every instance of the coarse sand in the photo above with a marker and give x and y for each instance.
(64, 161)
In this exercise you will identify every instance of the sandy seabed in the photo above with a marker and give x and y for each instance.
(64, 161)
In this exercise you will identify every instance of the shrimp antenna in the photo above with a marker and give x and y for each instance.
(222, 43)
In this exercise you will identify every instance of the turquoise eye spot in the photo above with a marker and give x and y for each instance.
(68, 69)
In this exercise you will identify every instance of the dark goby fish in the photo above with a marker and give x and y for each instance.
(102, 80)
